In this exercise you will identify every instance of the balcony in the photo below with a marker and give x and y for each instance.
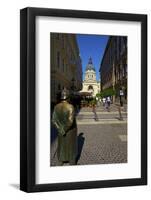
(72, 63)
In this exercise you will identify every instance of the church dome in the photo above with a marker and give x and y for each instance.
(90, 65)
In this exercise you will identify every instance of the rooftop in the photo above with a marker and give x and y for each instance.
(90, 65)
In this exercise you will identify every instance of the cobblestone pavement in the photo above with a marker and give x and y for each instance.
(99, 143)
(103, 144)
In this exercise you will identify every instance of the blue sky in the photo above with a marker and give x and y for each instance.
(92, 46)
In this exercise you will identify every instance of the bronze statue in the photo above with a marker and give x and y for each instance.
(64, 120)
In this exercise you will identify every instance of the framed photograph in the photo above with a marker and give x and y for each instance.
(83, 99)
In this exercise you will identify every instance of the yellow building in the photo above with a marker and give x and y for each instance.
(66, 67)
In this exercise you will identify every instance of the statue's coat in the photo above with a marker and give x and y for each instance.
(64, 120)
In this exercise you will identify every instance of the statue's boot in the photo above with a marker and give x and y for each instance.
(60, 163)
(72, 162)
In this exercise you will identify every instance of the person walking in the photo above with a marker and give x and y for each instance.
(104, 100)
(108, 101)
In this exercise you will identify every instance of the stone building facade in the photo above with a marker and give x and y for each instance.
(66, 67)
(113, 67)
(90, 84)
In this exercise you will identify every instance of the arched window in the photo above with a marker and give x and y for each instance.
(90, 87)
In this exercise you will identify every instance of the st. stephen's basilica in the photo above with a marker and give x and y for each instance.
(90, 84)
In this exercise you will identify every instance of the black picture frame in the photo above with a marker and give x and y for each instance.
(28, 98)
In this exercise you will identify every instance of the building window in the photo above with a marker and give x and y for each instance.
(58, 59)
(62, 41)
(90, 87)
(57, 36)
(123, 71)
(59, 86)
(119, 45)
(63, 65)
(118, 76)
(117, 48)
(126, 68)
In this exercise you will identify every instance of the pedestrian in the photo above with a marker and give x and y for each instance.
(64, 120)
(94, 111)
(104, 100)
(93, 107)
(108, 101)
(100, 101)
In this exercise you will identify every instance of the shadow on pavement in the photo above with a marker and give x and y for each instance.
(80, 140)
(53, 133)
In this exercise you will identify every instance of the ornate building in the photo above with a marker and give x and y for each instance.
(66, 67)
(113, 67)
(90, 84)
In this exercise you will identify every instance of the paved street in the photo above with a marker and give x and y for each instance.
(102, 136)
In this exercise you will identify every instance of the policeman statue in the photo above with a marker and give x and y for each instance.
(64, 120)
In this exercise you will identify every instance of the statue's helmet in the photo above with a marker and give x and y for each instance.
(64, 94)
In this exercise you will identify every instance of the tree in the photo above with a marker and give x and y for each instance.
(106, 92)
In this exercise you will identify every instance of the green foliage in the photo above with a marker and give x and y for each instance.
(106, 92)
(92, 102)
(98, 95)
(88, 102)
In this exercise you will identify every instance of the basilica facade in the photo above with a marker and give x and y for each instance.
(90, 84)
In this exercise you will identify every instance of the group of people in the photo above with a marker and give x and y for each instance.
(106, 102)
